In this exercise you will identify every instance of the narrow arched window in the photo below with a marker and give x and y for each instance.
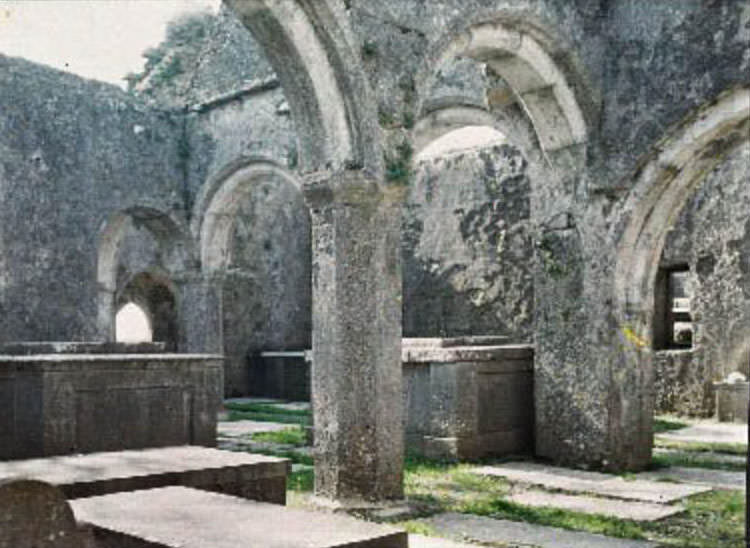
(132, 325)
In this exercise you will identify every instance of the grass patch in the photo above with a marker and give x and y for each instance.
(701, 447)
(714, 519)
(267, 408)
(662, 424)
(267, 417)
(302, 481)
(711, 520)
(417, 528)
(290, 436)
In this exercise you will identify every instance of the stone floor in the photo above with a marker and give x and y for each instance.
(644, 497)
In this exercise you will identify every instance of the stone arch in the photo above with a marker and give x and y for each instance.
(176, 249)
(218, 202)
(661, 186)
(440, 123)
(156, 294)
(308, 45)
(527, 57)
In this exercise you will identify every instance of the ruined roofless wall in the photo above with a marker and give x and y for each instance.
(72, 153)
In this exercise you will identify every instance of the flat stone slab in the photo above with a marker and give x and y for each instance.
(421, 541)
(580, 481)
(241, 474)
(707, 432)
(233, 429)
(617, 508)
(717, 479)
(488, 530)
(173, 517)
(708, 455)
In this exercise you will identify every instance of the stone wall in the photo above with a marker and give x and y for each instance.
(72, 153)
(621, 76)
(466, 245)
(712, 237)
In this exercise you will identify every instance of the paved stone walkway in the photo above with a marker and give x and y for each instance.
(487, 530)
(617, 508)
(420, 541)
(707, 432)
(716, 479)
(707, 455)
(552, 477)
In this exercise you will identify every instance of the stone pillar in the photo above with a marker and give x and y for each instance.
(199, 313)
(356, 371)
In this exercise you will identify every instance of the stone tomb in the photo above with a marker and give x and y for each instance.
(64, 398)
(468, 399)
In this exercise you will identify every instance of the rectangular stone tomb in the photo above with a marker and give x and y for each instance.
(255, 477)
(174, 517)
(468, 402)
(281, 374)
(57, 404)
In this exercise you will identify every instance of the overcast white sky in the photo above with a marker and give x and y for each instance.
(100, 39)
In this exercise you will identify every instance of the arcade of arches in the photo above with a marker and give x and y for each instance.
(559, 173)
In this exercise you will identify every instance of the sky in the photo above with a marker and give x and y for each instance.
(99, 39)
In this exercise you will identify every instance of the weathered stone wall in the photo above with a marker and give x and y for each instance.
(712, 236)
(267, 300)
(466, 244)
(72, 153)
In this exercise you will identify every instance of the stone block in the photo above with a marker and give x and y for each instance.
(78, 403)
(732, 401)
(187, 518)
(468, 402)
(254, 477)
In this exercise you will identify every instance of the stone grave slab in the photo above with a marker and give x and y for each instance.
(172, 517)
(256, 477)
(617, 508)
(504, 532)
(580, 481)
(716, 479)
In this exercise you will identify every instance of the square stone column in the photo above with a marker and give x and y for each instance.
(356, 372)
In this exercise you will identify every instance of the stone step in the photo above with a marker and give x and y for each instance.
(580, 481)
(255, 477)
(172, 517)
(616, 508)
(500, 532)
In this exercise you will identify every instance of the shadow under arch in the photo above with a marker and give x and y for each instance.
(526, 56)
(176, 249)
(218, 202)
(661, 186)
(308, 44)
